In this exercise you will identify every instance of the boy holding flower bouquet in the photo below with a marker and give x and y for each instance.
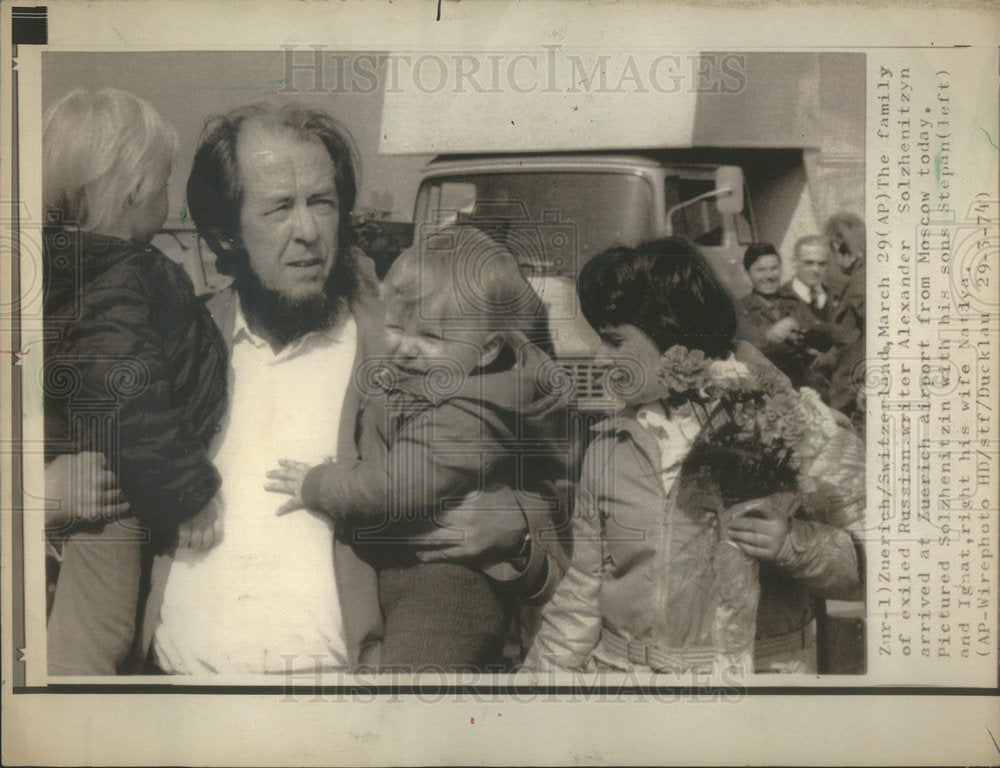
(716, 505)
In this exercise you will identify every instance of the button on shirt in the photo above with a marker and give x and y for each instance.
(264, 599)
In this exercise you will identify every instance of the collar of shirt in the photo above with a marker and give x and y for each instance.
(804, 292)
(243, 332)
(675, 433)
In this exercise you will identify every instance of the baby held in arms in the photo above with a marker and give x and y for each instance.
(466, 398)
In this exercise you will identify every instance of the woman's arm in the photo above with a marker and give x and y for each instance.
(570, 625)
(823, 549)
(821, 557)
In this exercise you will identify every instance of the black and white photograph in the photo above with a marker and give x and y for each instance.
(351, 366)
(307, 440)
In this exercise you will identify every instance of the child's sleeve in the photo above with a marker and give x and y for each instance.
(439, 454)
(570, 626)
(119, 359)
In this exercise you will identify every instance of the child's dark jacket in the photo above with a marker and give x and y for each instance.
(133, 345)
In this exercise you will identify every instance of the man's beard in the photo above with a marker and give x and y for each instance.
(285, 318)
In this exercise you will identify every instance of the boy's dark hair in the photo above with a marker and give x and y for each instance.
(666, 289)
(755, 251)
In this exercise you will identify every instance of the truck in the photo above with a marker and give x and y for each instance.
(769, 161)
(554, 211)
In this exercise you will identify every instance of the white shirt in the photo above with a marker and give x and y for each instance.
(804, 292)
(675, 434)
(264, 599)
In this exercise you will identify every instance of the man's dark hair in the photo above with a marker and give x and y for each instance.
(666, 289)
(756, 251)
(215, 187)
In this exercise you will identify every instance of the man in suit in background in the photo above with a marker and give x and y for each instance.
(812, 253)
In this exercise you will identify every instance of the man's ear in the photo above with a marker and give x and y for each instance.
(491, 347)
(220, 239)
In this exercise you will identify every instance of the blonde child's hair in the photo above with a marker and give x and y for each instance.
(102, 152)
(461, 276)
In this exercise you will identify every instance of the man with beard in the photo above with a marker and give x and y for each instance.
(271, 191)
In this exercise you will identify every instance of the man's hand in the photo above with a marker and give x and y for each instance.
(80, 488)
(288, 479)
(203, 530)
(759, 527)
(485, 527)
(785, 329)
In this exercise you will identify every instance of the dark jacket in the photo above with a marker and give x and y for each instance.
(134, 368)
(787, 294)
(756, 313)
(842, 365)
(847, 305)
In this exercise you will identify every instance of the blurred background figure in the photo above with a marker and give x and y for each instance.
(846, 235)
(774, 318)
(843, 364)
(812, 254)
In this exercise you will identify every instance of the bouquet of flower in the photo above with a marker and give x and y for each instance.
(752, 421)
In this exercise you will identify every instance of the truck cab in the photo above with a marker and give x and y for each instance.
(555, 211)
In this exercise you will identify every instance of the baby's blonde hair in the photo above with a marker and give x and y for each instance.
(462, 276)
(101, 152)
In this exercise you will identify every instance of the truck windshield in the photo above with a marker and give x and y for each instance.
(552, 221)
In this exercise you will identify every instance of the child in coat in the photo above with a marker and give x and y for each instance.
(468, 399)
(129, 336)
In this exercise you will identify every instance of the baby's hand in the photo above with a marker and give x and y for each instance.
(288, 479)
(203, 530)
